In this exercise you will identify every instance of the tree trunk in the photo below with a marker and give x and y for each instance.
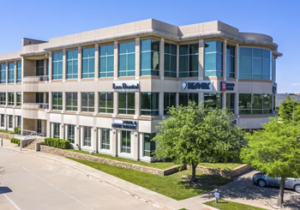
(194, 166)
(281, 192)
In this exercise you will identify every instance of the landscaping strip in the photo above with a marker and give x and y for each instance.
(171, 186)
(228, 205)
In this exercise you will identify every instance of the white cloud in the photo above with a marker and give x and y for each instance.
(295, 84)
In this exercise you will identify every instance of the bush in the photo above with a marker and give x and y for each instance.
(17, 129)
(15, 141)
(58, 143)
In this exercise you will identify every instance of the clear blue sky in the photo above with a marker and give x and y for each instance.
(42, 19)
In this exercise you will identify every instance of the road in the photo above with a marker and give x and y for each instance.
(29, 183)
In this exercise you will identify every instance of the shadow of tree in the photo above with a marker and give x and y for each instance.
(4, 190)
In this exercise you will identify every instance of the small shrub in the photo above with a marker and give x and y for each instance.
(17, 129)
(15, 141)
(58, 143)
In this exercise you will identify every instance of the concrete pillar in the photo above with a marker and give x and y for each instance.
(135, 145)
(79, 102)
(94, 139)
(97, 69)
(96, 103)
(161, 58)
(141, 145)
(114, 144)
(137, 105)
(44, 127)
(15, 72)
(81, 136)
(6, 99)
(48, 134)
(116, 103)
(137, 58)
(201, 60)
(161, 103)
(50, 67)
(50, 101)
(177, 62)
(116, 60)
(79, 63)
(77, 137)
(201, 97)
(6, 73)
(99, 139)
(44, 97)
(61, 131)
(237, 62)
(66, 132)
(177, 99)
(22, 68)
(236, 103)
(15, 99)
(224, 100)
(64, 65)
(63, 101)
(51, 130)
(225, 59)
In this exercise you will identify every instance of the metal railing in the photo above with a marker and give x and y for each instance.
(43, 105)
(39, 78)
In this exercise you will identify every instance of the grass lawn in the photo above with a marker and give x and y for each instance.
(6, 131)
(170, 186)
(227, 205)
(222, 166)
(158, 165)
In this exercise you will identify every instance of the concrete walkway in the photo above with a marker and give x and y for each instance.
(241, 190)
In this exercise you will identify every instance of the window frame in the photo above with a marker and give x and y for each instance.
(128, 72)
(152, 112)
(11, 73)
(3, 73)
(71, 107)
(105, 138)
(124, 147)
(57, 65)
(11, 99)
(132, 110)
(104, 72)
(107, 109)
(19, 98)
(167, 73)
(72, 62)
(57, 106)
(89, 107)
(19, 72)
(90, 73)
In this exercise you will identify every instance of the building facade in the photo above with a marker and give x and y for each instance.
(106, 90)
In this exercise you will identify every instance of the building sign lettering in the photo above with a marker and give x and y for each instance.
(196, 86)
(126, 86)
(124, 124)
(225, 86)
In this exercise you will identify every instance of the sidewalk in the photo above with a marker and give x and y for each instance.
(158, 200)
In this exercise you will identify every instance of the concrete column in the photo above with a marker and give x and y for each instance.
(6, 73)
(81, 136)
(113, 142)
(135, 146)
(6, 99)
(137, 105)
(177, 99)
(15, 74)
(79, 63)
(161, 58)
(15, 99)
(79, 102)
(50, 67)
(22, 68)
(224, 100)
(236, 103)
(99, 139)
(63, 101)
(116, 103)
(64, 67)
(51, 130)
(137, 58)
(77, 137)
(116, 60)
(44, 97)
(50, 101)
(14, 121)
(66, 132)
(201, 60)
(96, 103)
(96, 62)
(237, 62)
(141, 145)
(61, 131)
(94, 139)
(225, 60)
(48, 134)
(177, 62)
(161, 103)
(44, 126)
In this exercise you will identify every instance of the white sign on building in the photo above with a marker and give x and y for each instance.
(126, 86)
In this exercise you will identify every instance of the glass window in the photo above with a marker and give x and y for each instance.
(87, 136)
(71, 101)
(213, 59)
(57, 65)
(106, 61)
(11, 73)
(230, 62)
(255, 103)
(10, 121)
(19, 121)
(230, 102)
(244, 103)
(126, 141)
(2, 73)
(255, 63)
(88, 63)
(126, 103)
(39, 98)
(2, 120)
(87, 101)
(213, 100)
(11, 99)
(106, 102)
(149, 57)
(19, 72)
(56, 130)
(127, 59)
(105, 138)
(72, 64)
(267, 103)
(274, 70)
(57, 100)
(19, 99)
(170, 63)
(39, 67)
(169, 101)
(149, 146)
(2, 98)
(188, 60)
(149, 104)
(71, 133)
(184, 98)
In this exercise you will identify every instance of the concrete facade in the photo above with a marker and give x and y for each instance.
(33, 113)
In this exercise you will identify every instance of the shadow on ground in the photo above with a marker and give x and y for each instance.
(4, 190)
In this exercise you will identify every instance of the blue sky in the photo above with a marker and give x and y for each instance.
(42, 19)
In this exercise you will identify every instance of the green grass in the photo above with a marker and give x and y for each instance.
(222, 166)
(170, 186)
(158, 165)
(227, 205)
(6, 131)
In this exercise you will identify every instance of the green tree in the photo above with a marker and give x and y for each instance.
(275, 150)
(289, 109)
(192, 134)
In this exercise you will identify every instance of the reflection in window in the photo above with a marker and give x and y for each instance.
(105, 138)
(230, 102)
(230, 62)
(2, 98)
(106, 61)
(255, 103)
(57, 66)
(19, 99)
(149, 104)
(106, 102)
(149, 146)
(71, 101)
(2, 73)
(188, 60)
(213, 100)
(126, 142)
(213, 59)
(169, 101)
(56, 130)
(19, 72)
(149, 57)
(11, 73)
(184, 98)
(126, 103)
(11, 99)
(127, 59)
(88, 63)
(87, 136)
(72, 64)
(87, 101)
(39, 67)
(57, 100)
(170, 63)
(71, 133)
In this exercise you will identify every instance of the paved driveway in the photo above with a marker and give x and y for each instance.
(29, 183)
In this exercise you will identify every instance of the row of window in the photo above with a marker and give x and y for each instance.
(11, 73)
(10, 99)
(10, 121)
(149, 146)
